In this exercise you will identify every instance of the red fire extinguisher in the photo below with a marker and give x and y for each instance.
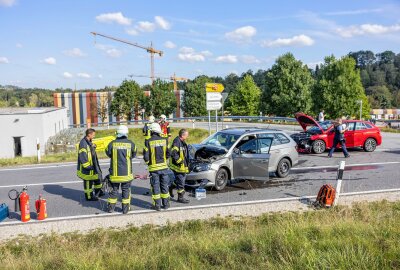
(41, 208)
(24, 205)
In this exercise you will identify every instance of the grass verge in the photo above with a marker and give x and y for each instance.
(391, 130)
(365, 236)
(135, 134)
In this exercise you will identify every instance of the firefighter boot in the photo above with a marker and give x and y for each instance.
(157, 205)
(125, 208)
(181, 198)
(110, 207)
(171, 191)
(165, 203)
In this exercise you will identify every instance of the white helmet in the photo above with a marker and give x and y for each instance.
(163, 117)
(155, 127)
(151, 119)
(122, 131)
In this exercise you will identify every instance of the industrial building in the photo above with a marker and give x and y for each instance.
(84, 107)
(23, 126)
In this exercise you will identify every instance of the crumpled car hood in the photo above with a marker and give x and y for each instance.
(206, 152)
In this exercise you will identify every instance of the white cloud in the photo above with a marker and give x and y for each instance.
(367, 29)
(229, 58)
(313, 64)
(109, 50)
(242, 34)
(75, 52)
(162, 23)
(7, 3)
(4, 60)
(49, 61)
(146, 26)
(83, 75)
(116, 17)
(132, 32)
(18, 45)
(100, 76)
(250, 59)
(300, 40)
(169, 44)
(189, 54)
(67, 75)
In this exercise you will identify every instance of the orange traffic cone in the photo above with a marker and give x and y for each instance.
(41, 208)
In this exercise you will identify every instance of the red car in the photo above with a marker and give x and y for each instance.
(318, 136)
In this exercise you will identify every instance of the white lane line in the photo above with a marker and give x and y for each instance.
(51, 166)
(182, 208)
(41, 184)
(347, 165)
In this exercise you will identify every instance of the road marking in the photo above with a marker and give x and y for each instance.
(194, 207)
(52, 166)
(347, 165)
(42, 184)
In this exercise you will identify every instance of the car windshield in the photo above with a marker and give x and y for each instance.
(223, 139)
(324, 124)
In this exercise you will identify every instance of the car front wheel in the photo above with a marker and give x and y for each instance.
(283, 168)
(221, 179)
(370, 145)
(318, 146)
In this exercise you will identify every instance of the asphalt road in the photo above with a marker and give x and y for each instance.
(63, 190)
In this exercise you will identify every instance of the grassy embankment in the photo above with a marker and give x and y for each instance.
(366, 236)
(135, 134)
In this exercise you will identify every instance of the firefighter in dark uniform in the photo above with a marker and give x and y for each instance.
(88, 168)
(155, 154)
(179, 164)
(146, 128)
(165, 130)
(121, 151)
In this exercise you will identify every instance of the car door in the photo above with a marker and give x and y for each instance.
(359, 136)
(349, 134)
(274, 150)
(249, 162)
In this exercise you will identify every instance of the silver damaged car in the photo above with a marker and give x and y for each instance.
(241, 153)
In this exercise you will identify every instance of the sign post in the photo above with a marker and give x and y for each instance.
(213, 101)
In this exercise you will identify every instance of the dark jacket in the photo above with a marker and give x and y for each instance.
(156, 153)
(88, 164)
(121, 151)
(146, 131)
(338, 135)
(179, 161)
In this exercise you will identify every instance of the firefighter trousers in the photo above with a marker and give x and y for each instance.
(180, 181)
(126, 193)
(91, 187)
(159, 182)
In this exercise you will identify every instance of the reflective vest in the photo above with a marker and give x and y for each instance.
(179, 161)
(85, 168)
(146, 131)
(165, 130)
(156, 153)
(121, 151)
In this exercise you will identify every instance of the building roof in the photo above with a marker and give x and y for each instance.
(19, 110)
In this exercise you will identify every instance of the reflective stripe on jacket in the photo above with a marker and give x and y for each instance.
(179, 161)
(165, 130)
(146, 131)
(121, 151)
(156, 153)
(86, 168)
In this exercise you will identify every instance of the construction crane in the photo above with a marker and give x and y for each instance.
(150, 50)
(172, 78)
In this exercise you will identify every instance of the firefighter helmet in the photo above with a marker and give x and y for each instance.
(122, 131)
(155, 127)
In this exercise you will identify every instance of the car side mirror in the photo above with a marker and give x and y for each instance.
(236, 151)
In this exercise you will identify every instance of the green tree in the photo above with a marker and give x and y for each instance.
(338, 88)
(162, 98)
(246, 99)
(194, 100)
(33, 100)
(127, 100)
(288, 87)
(379, 96)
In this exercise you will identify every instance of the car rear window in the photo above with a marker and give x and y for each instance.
(368, 125)
(282, 138)
(360, 126)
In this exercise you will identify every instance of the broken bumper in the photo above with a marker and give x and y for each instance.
(197, 179)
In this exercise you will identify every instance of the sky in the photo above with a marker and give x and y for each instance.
(48, 44)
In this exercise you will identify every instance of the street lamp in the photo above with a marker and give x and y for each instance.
(360, 101)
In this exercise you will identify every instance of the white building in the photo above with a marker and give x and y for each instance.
(21, 127)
